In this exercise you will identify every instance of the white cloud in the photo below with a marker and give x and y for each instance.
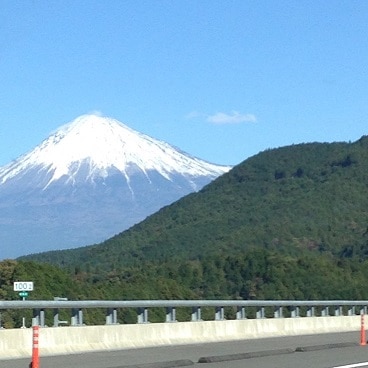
(233, 118)
(194, 115)
(96, 112)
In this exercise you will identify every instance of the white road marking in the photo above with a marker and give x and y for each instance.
(364, 364)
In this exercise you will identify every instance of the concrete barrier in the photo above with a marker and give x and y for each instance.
(17, 343)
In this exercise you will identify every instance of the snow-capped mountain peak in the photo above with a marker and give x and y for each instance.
(89, 180)
(104, 143)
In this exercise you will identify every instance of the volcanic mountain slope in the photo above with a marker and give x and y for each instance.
(91, 179)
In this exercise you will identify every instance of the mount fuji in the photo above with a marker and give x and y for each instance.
(89, 180)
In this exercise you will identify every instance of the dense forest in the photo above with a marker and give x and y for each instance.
(288, 223)
(254, 274)
(309, 196)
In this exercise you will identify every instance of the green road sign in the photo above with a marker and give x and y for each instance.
(23, 294)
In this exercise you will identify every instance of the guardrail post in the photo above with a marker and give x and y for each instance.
(325, 311)
(57, 321)
(36, 317)
(56, 317)
(42, 318)
(338, 310)
(260, 313)
(310, 312)
(240, 313)
(196, 314)
(77, 317)
(74, 318)
(351, 310)
(111, 316)
(142, 315)
(171, 314)
(219, 314)
(278, 313)
(295, 312)
(80, 317)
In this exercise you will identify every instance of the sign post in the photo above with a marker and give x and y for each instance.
(23, 287)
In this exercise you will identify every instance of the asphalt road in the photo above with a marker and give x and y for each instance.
(317, 351)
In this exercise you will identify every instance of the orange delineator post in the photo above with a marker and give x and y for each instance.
(363, 340)
(35, 357)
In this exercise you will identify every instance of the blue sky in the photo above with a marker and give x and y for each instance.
(222, 80)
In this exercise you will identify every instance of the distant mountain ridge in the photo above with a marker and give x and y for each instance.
(92, 178)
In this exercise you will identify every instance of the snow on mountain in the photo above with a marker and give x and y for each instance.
(106, 143)
(89, 180)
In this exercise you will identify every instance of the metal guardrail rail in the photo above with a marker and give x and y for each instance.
(351, 308)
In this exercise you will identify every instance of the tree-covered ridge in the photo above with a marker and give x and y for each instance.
(307, 196)
(254, 274)
(49, 282)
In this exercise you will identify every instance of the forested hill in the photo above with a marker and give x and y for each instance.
(301, 198)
